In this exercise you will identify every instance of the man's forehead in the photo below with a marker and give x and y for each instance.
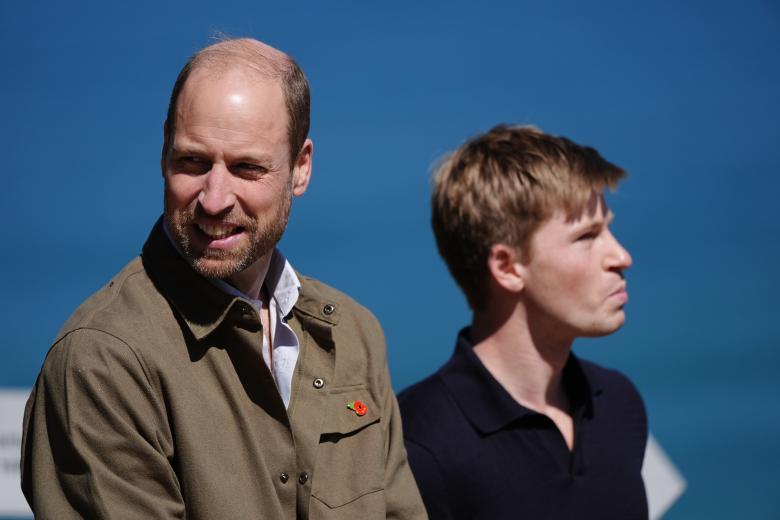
(248, 114)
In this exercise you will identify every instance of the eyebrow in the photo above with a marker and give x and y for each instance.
(263, 159)
(594, 223)
(187, 149)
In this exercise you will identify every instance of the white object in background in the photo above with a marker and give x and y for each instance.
(663, 483)
(12, 502)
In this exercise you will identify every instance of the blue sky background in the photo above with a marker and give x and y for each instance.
(686, 96)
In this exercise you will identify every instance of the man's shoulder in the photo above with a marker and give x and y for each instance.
(430, 412)
(336, 320)
(105, 325)
(114, 303)
(126, 308)
(609, 380)
(326, 302)
(428, 391)
(318, 289)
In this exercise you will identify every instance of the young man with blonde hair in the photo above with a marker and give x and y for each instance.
(514, 425)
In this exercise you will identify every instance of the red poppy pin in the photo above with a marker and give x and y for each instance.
(358, 407)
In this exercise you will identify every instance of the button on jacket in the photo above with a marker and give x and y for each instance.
(155, 402)
(478, 454)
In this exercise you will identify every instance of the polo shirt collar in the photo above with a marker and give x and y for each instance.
(486, 403)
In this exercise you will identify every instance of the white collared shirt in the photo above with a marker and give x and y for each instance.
(283, 288)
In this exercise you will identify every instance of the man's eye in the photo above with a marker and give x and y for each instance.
(590, 235)
(192, 165)
(188, 159)
(249, 169)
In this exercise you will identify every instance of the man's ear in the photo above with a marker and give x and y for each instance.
(505, 268)
(166, 144)
(301, 173)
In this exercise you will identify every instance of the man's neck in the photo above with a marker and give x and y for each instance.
(526, 361)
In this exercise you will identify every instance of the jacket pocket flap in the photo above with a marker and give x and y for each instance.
(348, 410)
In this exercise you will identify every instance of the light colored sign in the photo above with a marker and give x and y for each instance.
(12, 502)
(663, 483)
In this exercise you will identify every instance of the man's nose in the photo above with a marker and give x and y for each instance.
(217, 194)
(618, 257)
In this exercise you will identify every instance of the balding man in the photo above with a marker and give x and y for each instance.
(208, 379)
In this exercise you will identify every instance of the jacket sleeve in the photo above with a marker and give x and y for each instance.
(96, 442)
(403, 497)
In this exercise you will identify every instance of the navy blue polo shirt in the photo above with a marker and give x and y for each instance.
(478, 454)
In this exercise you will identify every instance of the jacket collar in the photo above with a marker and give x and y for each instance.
(281, 281)
(202, 305)
(486, 403)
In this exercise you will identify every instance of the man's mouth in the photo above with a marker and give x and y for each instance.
(619, 290)
(218, 231)
(620, 293)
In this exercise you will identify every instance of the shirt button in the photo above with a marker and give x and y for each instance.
(328, 309)
(302, 478)
(318, 383)
(284, 477)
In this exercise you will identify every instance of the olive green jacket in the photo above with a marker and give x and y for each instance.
(155, 402)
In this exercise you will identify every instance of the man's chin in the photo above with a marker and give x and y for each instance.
(605, 327)
(217, 267)
(609, 328)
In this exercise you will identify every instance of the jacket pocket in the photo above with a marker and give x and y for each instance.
(351, 453)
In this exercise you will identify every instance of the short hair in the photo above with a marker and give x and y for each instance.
(268, 62)
(499, 187)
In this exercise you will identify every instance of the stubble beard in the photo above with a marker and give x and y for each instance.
(223, 263)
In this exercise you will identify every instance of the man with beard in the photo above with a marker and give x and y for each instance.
(514, 425)
(208, 379)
